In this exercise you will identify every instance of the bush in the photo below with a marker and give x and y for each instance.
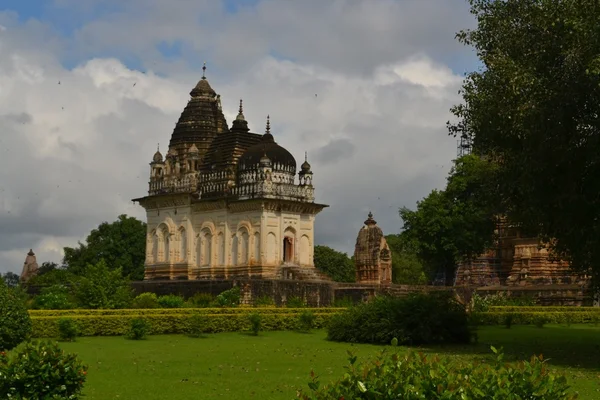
(201, 300)
(67, 329)
(229, 298)
(343, 302)
(197, 325)
(255, 323)
(306, 320)
(15, 324)
(414, 319)
(415, 376)
(264, 301)
(483, 303)
(101, 287)
(295, 302)
(531, 317)
(41, 370)
(540, 320)
(55, 297)
(171, 301)
(508, 320)
(138, 329)
(145, 300)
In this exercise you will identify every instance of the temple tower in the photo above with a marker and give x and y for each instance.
(372, 255)
(30, 267)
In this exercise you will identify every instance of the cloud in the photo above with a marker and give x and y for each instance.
(364, 87)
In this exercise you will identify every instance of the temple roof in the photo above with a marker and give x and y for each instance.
(202, 118)
(278, 155)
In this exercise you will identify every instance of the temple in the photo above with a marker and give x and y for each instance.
(225, 202)
(30, 267)
(372, 255)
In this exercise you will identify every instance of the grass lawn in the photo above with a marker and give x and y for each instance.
(275, 364)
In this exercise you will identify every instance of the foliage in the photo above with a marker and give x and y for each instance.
(415, 376)
(229, 298)
(54, 276)
(10, 279)
(15, 324)
(264, 301)
(145, 300)
(337, 265)
(55, 297)
(67, 329)
(100, 287)
(306, 320)
(344, 302)
(197, 325)
(456, 224)
(173, 311)
(483, 303)
(407, 267)
(171, 301)
(533, 109)
(414, 319)
(295, 302)
(538, 317)
(121, 244)
(138, 329)
(255, 322)
(41, 370)
(175, 321)
(508, 320)
(201, 300)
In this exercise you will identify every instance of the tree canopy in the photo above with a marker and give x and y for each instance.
(337, 265)
(121, 244)
(407, 267)
(455, 224)
(533, 108)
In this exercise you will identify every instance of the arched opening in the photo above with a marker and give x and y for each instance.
(304, 250)
(244, 248)
(182, 244)
(207, 244)
(288, 249)
(167, 247)
(154, 247)
(234, 250)
(221, 248)
(272, 248)
(257, 247)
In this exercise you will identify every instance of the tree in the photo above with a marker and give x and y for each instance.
(533, 109)
(15, 324)
(335, 264)
(456, 224)
(407, 268)
(101, 287)
(47, 267)
(122, 244)
(11, 279)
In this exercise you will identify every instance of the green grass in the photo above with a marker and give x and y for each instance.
(274, 365)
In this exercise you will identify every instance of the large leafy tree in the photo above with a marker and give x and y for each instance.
(11, 279)
(456, 224)
(407, 267)
(122, 244)
(337, 265)
(534, 109)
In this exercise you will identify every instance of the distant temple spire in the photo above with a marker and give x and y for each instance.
(268, 125)
(204, 70)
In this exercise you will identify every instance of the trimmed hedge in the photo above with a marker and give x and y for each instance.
(542, 309)
(178, 311)
(110, 325)
(530, 317)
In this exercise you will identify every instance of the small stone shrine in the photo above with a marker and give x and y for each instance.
(372, 255)
(30, 267)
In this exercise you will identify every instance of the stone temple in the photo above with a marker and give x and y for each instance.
(226, 203)
(372, 255)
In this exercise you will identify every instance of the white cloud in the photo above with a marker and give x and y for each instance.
(73, 154)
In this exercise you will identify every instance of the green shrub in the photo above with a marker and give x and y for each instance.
(264, 301)
(201, 300)
(197, 325)
(15, 324)
(306, 320)
(164, 311)
(171, 301)
(255, 323)
(415, 376)
(236, 321)
(41, 370)
(414, 319)
(345, 301)
(229, 298)
(138, 329)
(295, 302)
(540, 320)
(508, 320)
(530, 318)
(67, 329)
(101, 287)
(145, 300)
(55, 297)
(483, 303)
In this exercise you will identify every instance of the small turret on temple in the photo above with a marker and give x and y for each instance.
(372, 255)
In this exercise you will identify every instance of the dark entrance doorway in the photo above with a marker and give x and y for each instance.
(288, 250)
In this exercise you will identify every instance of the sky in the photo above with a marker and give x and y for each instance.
(364, 86)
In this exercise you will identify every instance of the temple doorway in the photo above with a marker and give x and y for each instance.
(288, 250)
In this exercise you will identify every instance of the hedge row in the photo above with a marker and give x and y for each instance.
(542, 309)
(529, 318)
(174, 311)
(111, 325)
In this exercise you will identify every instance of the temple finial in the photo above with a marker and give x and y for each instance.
(306, 156)
(158, 147)
(370, 215)
(204, 70)
(241, 108)
(268, 125)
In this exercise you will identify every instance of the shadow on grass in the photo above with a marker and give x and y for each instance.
(576, 346)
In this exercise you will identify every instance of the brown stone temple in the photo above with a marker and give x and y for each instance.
(372, 255)
(30, 267)
(516, 260)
